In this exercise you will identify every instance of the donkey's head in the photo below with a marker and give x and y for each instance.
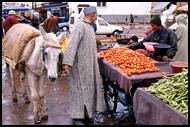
(51, 53)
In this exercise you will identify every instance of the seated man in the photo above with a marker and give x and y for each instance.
(160, 35)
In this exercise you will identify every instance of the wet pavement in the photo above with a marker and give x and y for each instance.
(56, 101)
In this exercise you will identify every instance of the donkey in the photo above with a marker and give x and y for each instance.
(45, 56)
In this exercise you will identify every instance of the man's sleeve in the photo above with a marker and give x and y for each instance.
(139, 45)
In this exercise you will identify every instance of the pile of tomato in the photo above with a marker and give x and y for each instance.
(129, 61)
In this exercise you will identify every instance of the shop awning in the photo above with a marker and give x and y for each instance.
(160, 6)
(15, 9)
(183, 8)
(54, 5)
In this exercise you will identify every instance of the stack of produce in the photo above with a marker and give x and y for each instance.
(63, 44)
(141, 51)
(173, 91)
(129, 61)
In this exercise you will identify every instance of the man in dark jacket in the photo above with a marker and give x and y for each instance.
(50, 23)
(10, 21)
(160, 35)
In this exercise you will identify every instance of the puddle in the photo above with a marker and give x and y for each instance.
(57, 101)
(5, 101)
(123, 116)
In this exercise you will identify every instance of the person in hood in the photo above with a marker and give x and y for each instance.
(80, 57)
(160, 35)
(182, 38)
(34, 18)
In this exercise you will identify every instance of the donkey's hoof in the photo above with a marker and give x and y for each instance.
(15, 100)
(45, 117)
(27, 101)
(37, 121)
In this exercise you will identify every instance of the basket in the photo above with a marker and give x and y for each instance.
(177, 66)
(149, 46)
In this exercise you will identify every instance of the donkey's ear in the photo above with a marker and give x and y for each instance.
(62, 36)
(43, 33)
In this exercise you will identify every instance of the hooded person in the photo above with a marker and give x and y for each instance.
(34, 18)
(80, 57)
(182, 38)
(160, 35)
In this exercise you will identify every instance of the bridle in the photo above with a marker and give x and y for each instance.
(42, 49)
(50, 46)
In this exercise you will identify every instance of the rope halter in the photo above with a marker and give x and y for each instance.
(42, 49)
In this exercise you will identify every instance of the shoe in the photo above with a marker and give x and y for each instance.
(89, 121)
(78, 122)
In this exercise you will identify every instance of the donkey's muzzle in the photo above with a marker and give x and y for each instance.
(52, 79)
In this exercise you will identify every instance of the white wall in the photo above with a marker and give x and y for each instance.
(118, 8)
(125, 8)
(73, 5)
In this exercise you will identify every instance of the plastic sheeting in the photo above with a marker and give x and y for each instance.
(150, 110)
(160, 6)
(183, 8)
(174, 26)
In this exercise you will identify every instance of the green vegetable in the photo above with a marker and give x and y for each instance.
(98, 42)
(173, 91)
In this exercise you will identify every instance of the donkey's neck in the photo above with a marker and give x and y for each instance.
(34, 62)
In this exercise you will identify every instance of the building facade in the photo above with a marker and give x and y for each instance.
(17, 4)
(116, 12)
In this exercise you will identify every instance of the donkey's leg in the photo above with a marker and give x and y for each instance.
(41, 97)
(34, 95)
(22, 79)
(14, 96)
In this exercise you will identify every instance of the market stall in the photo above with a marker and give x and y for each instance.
(150, 110)
(114, 79)
(128, 82)
(164, 102)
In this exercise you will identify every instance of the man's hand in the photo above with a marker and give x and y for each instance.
(66, 68)
(165, 58)
(127, 46)
(100, 57)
